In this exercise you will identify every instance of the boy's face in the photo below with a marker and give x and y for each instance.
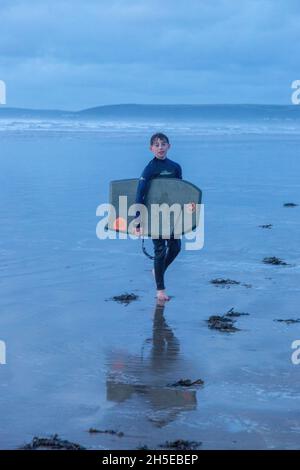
(160, 148)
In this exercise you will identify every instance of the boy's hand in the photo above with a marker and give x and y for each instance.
(138, 231)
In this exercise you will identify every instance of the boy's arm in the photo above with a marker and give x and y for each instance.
(142, 188)
(143, 185)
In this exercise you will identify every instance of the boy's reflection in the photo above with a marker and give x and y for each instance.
(149, 377)
(165, 345)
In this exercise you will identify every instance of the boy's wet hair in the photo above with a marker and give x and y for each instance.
(160, 136)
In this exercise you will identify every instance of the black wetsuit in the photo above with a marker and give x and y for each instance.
(165, 251)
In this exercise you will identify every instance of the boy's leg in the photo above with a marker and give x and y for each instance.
(159, 262)
(174, 247)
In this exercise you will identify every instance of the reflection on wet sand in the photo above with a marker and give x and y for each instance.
(148, 375)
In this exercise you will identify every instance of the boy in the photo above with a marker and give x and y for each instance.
(165, 251)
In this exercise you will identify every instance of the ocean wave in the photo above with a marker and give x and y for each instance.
(25, 126)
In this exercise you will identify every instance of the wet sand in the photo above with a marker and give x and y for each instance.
(77, 360)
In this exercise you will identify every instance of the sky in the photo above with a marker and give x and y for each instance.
(57, 54)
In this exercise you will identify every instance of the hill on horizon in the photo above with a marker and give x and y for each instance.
(161, 111)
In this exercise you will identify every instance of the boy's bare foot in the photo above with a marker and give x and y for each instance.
(161, 295)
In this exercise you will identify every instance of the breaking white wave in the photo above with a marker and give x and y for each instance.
(188, 128)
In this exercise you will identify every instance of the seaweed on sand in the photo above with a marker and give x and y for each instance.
(52, 442)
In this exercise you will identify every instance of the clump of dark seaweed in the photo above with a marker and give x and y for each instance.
(289, 321)
(290, 204)
(266, 226)
(232, 313)
(186, 383)
(52, 442)
(219, 282)
(106, 431)
(225, 323)
(274, 260)
(125, 298)
(181, 444)
(224, 282)
(222, 323)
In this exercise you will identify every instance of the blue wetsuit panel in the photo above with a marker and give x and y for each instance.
(156, 168)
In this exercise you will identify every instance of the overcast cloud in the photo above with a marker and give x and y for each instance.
(77, 54)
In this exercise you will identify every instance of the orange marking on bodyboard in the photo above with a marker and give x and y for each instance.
(120, 224)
